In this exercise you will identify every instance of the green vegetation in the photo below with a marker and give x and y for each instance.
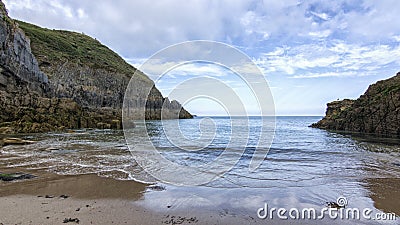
(5, 175)
(7, 20)
(391, 89)
(4, 13)
(58, 46)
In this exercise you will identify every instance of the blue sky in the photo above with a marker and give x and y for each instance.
(311, 52)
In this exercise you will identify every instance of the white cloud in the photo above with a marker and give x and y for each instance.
(140, 28)
(304, 39)
(199, 69)
(339, 59)
(320, 34)
(81, 14)
(322, 16)
(292, 59)
(396, 38)
(328, 74)
(278, 51)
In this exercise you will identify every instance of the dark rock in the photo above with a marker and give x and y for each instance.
(179, 220)
(334, 205)
(15, 176)
(156, 187)
(69, 220)
(49, 196)
(46, 84)
(377, 111)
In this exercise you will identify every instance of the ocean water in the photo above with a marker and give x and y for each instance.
(304, 166)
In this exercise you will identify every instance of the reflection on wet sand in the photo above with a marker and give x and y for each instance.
(385, 193)
(88, 186)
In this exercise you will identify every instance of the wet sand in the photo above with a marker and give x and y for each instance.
(88, 186)
(386, 194)
(28, 209)
(96, 200)
(89, 198)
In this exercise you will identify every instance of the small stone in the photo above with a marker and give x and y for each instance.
(334, 205)
(68, 220)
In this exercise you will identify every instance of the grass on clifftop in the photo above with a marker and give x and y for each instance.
(58, 46)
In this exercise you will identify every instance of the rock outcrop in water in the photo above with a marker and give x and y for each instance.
(53, 79)
(377, 111)
(15, 176)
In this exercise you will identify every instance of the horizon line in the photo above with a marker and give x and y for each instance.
(256, 115)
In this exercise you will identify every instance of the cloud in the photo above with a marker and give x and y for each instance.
(137, 28)
(320, 34)
(140, 28)
(327, 74)
(287, 39)
(333, 60)
(322, 16)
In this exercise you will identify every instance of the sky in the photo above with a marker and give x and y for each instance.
(310, 52)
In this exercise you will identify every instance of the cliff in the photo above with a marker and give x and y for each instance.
(377, 111)
(53, 80)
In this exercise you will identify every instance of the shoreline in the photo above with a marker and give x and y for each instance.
(87, 186)
(90, 199)
(52, 199)
(93, 199)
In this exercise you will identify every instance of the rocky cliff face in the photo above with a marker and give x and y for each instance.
(377, 111)
(52, 80)
(16, 58)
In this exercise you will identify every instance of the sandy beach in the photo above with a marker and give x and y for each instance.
(89, 199)
(101, 186)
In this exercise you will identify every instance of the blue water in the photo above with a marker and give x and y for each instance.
(304, 166)
(299, 155)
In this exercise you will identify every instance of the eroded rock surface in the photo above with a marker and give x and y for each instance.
(377, 111)
(55, 80)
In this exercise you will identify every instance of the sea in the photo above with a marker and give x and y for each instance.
(303, 167)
